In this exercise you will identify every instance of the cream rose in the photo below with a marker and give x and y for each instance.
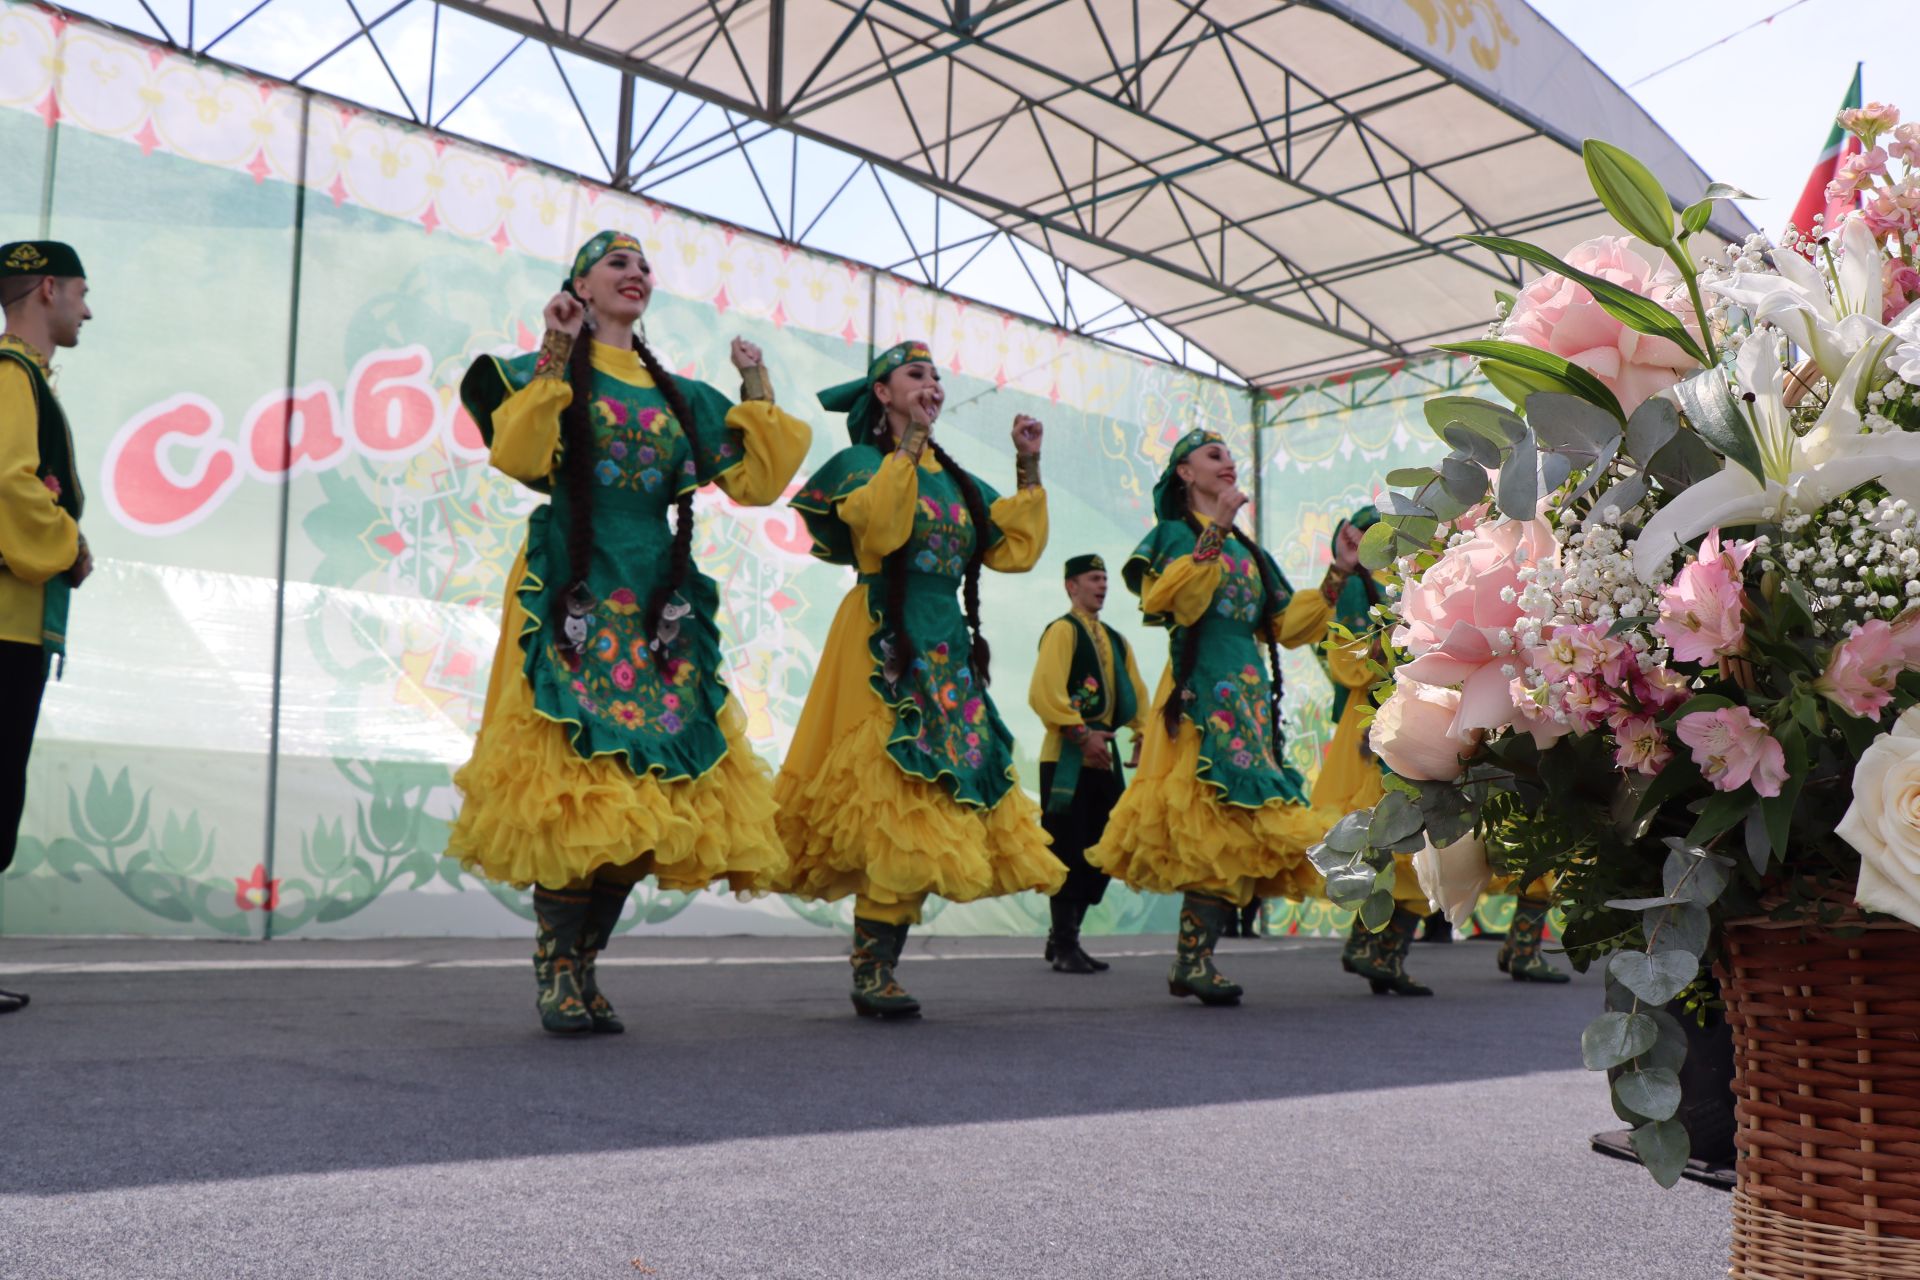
(1412, 732)
(1883, 822)
(1454, 876)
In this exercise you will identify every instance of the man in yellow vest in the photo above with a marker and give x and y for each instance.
(1085, 689)
(43, 292)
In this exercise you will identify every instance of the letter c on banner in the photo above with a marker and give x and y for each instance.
(143, 488)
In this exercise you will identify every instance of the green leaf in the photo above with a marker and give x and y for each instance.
(1670, 1051)
(1651, 428)
(1655, 978)
(1694, 218)
(1554, 470)
(1694, 875)
(1394, 819)
(1494, 421)
(1642, 315)
(1685, 461)
(1683, 928)
(1614, 1038)
(1377, 910)
(1723, 811)
(1546, 371)
(1349, 835)
(1630, 192)
(1726, 191)
(1409, 477)
(1663, 1147)
(1641, 904)
(1711, 411)
(1470, 446)
(1464, 481)
(1562, 421)
(1779, 809)
(1376, 546)
(1753, 835)
(1518, 494)
(1653, 1093)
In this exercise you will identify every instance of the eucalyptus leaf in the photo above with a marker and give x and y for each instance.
(1682, 928)
(1652, 426)
(1655, 978)
(1349, 835)
(1554, 470)
(1410, 477)
(1653, 1092)
(1693, 875)
(1641, 904)
(1376, 546)
(1630, 192)
(1518, 495)
(1394, 819)
(1464, 481)
(1711, 410)
(1494, 421)
(1670, 1050)
(1377, 910)
(1685, 461)
(1614, 1038)
(1624, 496)
(1663, 1147)
(1470, 446)
(1395, 503)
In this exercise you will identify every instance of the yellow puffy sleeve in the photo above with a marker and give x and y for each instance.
(1183, 590)
(879, 514)
(1022, 521)
(1303, 621)
(526, 430)
(1047, 693)
(776, 444)
(1351, 665)
(37, 538)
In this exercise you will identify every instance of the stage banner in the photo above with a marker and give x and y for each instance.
(283, 655)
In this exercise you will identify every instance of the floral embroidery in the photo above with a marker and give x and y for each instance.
(639, 448)
(623, 682)
(1088, 699)
(53, 484)
(949, 713)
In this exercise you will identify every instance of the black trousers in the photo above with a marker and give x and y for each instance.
(1079, 828)
(23, 680)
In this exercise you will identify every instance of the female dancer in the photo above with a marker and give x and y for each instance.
(611, 749)
(1214, 812)
(900, 780)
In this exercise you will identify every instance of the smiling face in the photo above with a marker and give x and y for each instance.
(1208, 471)
(915, 383)
(1088, 591)
(618, 287)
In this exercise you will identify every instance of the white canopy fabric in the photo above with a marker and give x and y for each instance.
(1282, 183)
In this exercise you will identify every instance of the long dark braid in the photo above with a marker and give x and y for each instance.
(895, 569)
(1188, 654)
(576, 464)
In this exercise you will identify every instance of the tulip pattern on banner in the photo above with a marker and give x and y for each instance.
(284, 654)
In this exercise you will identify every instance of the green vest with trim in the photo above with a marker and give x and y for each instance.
(58, 474)
(1100, 707)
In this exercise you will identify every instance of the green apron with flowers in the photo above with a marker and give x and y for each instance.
(656, 705)
(946, 729)
(1229, 683)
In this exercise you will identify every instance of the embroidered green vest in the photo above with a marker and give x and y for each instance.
(58, 474)
(1100, 707)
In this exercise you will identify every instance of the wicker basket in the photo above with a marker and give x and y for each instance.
(1826, 1035)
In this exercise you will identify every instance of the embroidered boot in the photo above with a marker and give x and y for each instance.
(1520, 954)
(1202, 920)
(876, 949)
(1360, 945)
(1079, 920)
(560, 926)
(608, 900)
(1065, 942)
(1386, 965)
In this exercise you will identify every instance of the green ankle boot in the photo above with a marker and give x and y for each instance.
(560, 926)
(876, 949)
(1202, 918)
(1360, 944)
(1385, 966)
(608, 901)
(1520, 955)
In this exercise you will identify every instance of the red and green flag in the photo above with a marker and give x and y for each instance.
(1840, 145)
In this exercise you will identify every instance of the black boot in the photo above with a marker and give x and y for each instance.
(602, 919)
(876, 949)
(1520, 955)
(1202, 918)
(1386, 966)
(1067, 956)
(1437, 929)
(1079, 921)
(13, 1001)
(560, 917)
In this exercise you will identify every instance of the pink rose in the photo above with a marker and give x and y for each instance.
(1732, 748)
(1413, 732)
(1457, 619)
(1700, 612)
(1554, 314)
(1900, 284)
(1861, 672)
(1642, 747)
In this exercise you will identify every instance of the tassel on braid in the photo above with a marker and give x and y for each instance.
(682, 556)
(576, 476)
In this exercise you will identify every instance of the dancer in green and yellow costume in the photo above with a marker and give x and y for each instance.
(900, 779)
(1214, 813)
(1352, 776)
(611, 749)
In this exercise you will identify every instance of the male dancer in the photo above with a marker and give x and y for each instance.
(1085, 689)
(43, 292)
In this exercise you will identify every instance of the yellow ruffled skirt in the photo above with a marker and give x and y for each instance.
(1169, 834)
(854, 823)
(537, 812)
(1350, 779)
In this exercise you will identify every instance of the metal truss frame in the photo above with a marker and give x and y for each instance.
(1398, 195)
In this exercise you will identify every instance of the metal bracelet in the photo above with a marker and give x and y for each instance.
(1026, 470)
(555, 349)
(756, 384)
(1207, 547)
(913, 441)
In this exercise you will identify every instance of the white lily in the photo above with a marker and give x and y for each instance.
(1829, 317)
(1803, 473)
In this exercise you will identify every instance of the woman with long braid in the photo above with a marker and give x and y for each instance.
(610, 748)
(1214, 813)
(900, 779)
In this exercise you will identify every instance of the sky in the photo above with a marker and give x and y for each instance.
(1755, 110)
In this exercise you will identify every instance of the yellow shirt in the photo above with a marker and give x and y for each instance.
(1048, 695)
(37, 538)
(1184, 591)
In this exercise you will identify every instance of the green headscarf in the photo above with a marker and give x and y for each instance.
(856, 398)
(597, 248)
(1194, 439)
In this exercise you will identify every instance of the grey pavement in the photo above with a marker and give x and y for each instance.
(391, 1109)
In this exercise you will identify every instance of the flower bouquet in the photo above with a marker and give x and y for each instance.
(1655, 623)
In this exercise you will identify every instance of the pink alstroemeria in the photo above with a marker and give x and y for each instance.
(1732, 747)
(1642, 747)
(1861, 672)
(1700, 611)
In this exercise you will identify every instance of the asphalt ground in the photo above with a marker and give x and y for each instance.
(391, 1109)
